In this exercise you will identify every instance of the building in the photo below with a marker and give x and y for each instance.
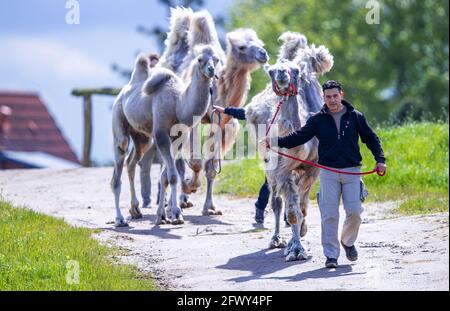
(29, 136)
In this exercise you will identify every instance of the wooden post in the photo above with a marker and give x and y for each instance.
(87, 112)
(87, 105)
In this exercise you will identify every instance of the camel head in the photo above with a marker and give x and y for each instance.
(244, 47)
(285, 76)
(207, 60)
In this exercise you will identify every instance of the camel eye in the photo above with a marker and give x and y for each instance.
(241, 48)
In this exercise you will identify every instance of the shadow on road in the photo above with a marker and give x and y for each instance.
(266, 262)
(259, 263)
(163, 233)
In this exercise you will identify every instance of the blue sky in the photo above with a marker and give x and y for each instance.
(39, 52)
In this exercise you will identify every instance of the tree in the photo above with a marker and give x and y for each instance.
(160, 32)
(392, 70)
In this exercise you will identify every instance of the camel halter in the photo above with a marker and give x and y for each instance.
(292, 91)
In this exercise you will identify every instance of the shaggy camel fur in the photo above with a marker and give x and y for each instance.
(173, 103)
(159, 93)
(291, 181)
(245, 53)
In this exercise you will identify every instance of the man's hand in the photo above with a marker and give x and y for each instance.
(218, 109)
(381, 167)
(263, 142)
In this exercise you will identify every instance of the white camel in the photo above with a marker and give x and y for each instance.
(122, 131)
(291, 181)
(149, 106)
(245, 54)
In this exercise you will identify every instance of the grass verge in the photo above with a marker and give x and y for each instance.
(39, 252)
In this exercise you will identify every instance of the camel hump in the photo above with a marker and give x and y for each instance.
(159, 77)
(322, 59)
(177, 46)
(142, 64)
(291, 43)
(203, 30)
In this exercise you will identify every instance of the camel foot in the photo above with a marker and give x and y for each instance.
(211, 212)
(179, 221)
(120, 223)
(277, 242)
(135, 213)
(190, 187)
(162, 221)
(295, 252)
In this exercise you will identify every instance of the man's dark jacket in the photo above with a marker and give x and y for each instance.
(337, 149)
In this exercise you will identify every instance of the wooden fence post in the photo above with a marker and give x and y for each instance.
(87, 105)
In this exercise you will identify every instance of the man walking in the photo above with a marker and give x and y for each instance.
(337, 127)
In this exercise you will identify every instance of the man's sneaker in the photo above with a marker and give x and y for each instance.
(331, 263)
(259, 215)
(350, 252)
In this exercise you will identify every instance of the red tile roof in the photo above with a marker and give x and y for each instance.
(32, 128)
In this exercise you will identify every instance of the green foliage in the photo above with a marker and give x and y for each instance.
(36, 248)
(395, 70)
(417, 159)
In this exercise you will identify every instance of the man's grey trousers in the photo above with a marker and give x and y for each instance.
(332, 186)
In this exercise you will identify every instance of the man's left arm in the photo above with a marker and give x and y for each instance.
(371, 139)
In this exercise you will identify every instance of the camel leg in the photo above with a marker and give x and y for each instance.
(141, 145)
(209, 208)
(116, 184)
(195, 162)
(294, 250)
(306, 183)
(184, 197)
(277, 241)
(120, 129)
(164, 144)
(146, 182)
(228, 139)
(304, 204)
(161, 217)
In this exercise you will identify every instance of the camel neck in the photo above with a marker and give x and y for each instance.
(290, 112)
(312, 97)
(233, 85)
(196, 97)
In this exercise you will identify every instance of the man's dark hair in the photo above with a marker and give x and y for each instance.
(332, 85)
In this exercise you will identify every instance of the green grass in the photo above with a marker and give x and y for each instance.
(417, 160)
(35, 250)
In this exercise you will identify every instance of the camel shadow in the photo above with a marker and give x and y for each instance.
(157, 231)
(193, 219)
(260, 263)
(205, 220)
(163, 232)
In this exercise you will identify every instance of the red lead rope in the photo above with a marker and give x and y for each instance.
(379, 173)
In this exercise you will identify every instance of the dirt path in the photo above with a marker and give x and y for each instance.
(229, 252)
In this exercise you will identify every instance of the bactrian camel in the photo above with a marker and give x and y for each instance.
(291, 181)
